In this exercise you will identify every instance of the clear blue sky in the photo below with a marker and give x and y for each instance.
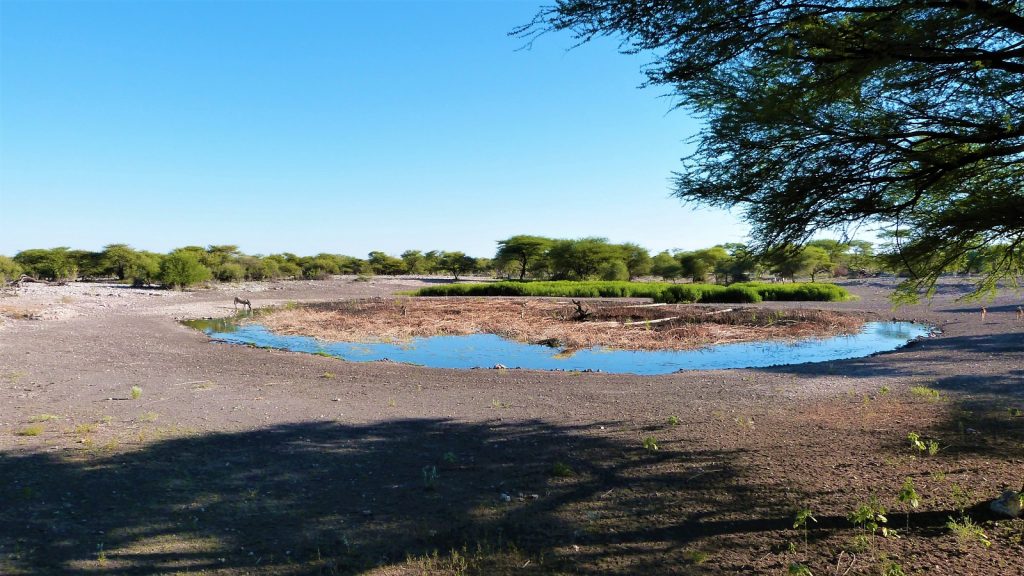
(338, 127)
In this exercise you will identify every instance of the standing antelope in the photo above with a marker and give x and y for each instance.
(243, 302)
(984, 312)
(1020, 313)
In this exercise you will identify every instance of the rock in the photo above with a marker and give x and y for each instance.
(500, 367)
(505, 498)
(1009, 504)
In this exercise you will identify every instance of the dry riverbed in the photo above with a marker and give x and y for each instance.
(130, 444)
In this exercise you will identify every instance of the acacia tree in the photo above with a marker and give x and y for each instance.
(905, 114)
(525, 251)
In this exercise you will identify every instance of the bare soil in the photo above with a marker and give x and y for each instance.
(234, 460)
(557, 323)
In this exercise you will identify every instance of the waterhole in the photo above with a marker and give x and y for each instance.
(488, 350)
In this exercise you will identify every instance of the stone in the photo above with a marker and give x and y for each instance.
(1009, 504)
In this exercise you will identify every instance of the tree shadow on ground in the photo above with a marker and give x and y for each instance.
(936, 357)
(329, 498)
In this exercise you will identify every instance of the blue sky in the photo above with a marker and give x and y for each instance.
(338, 127)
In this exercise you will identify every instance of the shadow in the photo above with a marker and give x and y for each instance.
(328, 498)
(976, 309)
(936, 357)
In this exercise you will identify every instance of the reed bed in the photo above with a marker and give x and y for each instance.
(554, 323)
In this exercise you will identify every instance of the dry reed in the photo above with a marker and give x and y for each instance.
(554, 323)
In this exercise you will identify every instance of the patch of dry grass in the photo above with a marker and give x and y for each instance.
(671, 327)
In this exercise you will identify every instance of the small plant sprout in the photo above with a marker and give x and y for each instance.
(697, 557)
(650, 444)
(966, 532)
(33, 430)
(893, 569)
(908, 497)
(673, 421)
(136, 392)
(450, 458)
(430, 477)
(561, 470)
(798, 569)
(870, 517)
(1015, 412)
(800, 521)
(885, 391)
(931, 447)
(44, 418)
(927, 393)
(327, 375)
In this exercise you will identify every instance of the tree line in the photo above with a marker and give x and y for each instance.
(520, 257)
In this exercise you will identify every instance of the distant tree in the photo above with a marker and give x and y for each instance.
(182, 268)
(143, 268)
(665, 265)
(415, 263)
(88, 264)
(824, 115)
(52, 264)
(524, 251)
(9, 270)
(581, 259)
(457, 263)
(387, 265)
(637, 260)
(613, 270)
(116, 258)
(816, 261)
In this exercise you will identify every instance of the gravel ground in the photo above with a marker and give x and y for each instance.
(234, 460)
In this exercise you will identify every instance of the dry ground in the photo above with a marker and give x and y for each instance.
(233, 460)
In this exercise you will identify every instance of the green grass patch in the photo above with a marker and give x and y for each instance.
(34, 430)
(746, 292)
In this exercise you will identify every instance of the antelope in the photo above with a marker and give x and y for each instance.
(1020, 313)
(984, 312)
(245, 303)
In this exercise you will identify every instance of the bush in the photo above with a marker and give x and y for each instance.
(182, 269)
(9, 270)
(733, 294)
(745, 293)
(615, 270)
(230, 272)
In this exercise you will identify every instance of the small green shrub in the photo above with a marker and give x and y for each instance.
(34, 430)
(673, 421)
(650, 444)
(181, 269)
(893, 569)
(697, 557)
(926, 393)
(561, 470)
(967, 532)
(136, 392)
(798, 569)
(870, 517)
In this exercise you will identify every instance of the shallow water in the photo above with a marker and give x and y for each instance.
(488, 350)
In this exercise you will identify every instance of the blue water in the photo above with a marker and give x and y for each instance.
(487, 350)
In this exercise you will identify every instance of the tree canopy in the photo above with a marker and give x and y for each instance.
(902, 114)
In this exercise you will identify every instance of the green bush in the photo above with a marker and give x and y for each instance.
(733, 294)
(749, 292)
(9, 269)
(230, 272)
(182, 269)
